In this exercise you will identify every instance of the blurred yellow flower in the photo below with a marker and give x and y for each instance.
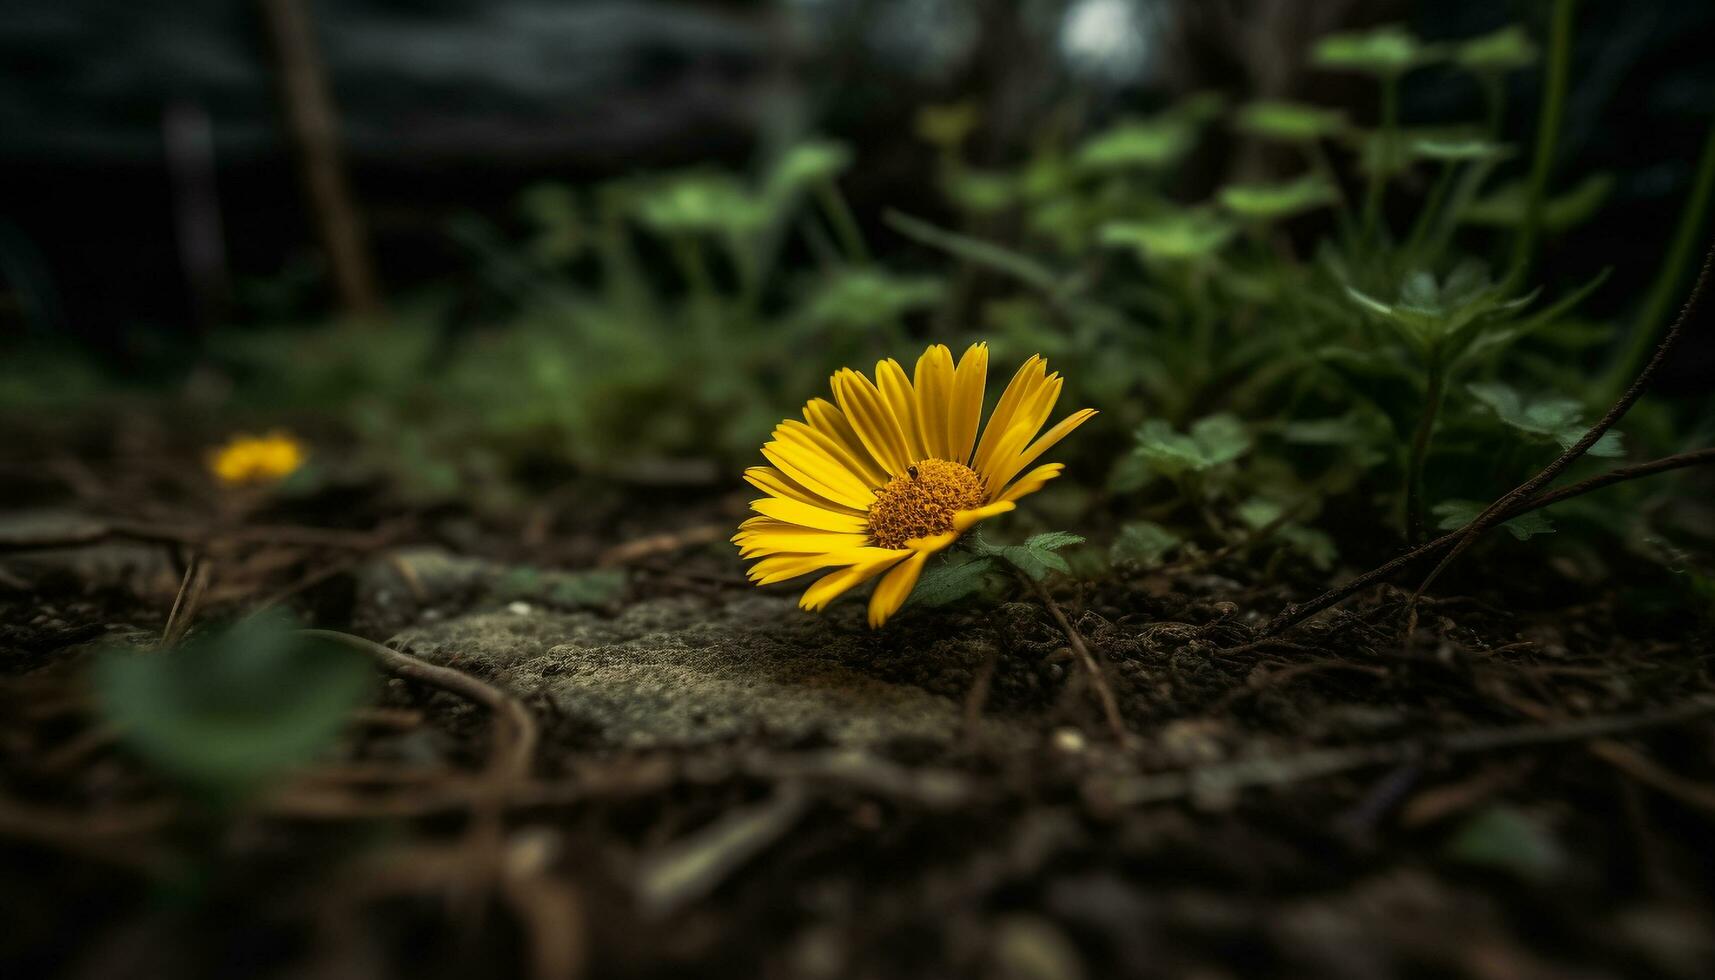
(246, 459)
(895, 473)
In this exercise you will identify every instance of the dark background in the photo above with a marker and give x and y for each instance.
(451, 106)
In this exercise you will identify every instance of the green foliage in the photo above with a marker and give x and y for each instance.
(1383, 52)
(1143, 542)
(1272, 202)
(1290, 122)
(1455, 514)
(1211, 442)
(1502, 838)
(1177, 236)
(227, 710)
(1547, 418)
(1503, 50)
(1037, 556)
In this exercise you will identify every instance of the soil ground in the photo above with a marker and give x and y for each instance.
(1514, 777)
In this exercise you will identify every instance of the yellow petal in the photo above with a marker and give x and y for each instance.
(933, 543)
(876, 425)
(824, 418)
(777, 484)
(779, 568)
(1060, 431)
(933, 383)
(1026, 422)
(816, 472)
(800, 541)
(964, 520)
(1030, 375)
(832, 586)
(893, 590)
(808, 515)
(1033, 481)
(965, 413)
(896, 388)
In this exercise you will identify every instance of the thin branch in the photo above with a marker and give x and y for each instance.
(1531, 487)
(1300, 611)
(1098, 680)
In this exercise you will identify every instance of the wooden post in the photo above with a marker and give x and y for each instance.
(314, 129)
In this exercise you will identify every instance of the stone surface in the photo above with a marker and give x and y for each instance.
(682, 671)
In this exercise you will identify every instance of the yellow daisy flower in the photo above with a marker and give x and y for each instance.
(246, 459)
(894, 472)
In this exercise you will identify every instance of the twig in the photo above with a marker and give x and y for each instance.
(1099, 681)
(1300, 611)
(1492, 514)
(656, 544)
(1317, 763)
(515, 736)
(690, 868)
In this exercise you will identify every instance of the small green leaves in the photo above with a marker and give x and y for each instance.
(229, 709)
(1211, 442)
(1504, 50)
(1547, 418)
(1176, 237)
(947, 126)
(1430, 314)
(1270, 202)
(1147, 144)
(701, 204)
(1385, 52)
(1455, 514)
(953, 576)
(863, 297)
(1036, 557)
(807, 164)
(1143, 542)
(1505, 207)
(1289, 122)
(1459, 150)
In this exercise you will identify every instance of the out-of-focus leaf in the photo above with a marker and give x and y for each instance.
(1269, 202)
(1459, 151)
(1144, 542)
(1150, 144)
(982, 191)
(977, 251)
(947, 126)
(808, 164)
(228, 710)
(1289, 122)
(1176, 237)
(1455, 514)
(1210, 442)
(1382, 52)
(702, 204)
(1505, 207)
(1549, 417)
(1504, 50)
(863, 297)
(1505, 839)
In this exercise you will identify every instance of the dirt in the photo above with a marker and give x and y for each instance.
(726, 786)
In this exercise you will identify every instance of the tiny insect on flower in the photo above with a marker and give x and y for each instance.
(892, 471)
(247, 459)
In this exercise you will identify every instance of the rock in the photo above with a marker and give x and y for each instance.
(675, 671)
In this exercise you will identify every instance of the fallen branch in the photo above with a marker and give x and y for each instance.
(1098, 680)
(1494, 513)
(1229, 777)
(1297, 612)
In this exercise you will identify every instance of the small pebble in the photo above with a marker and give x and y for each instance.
(1068, 740)
(519, 608)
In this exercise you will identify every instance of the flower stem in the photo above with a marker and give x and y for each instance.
(1691, 221)
(1547, 135)
(1384, 158)
(1432, 398)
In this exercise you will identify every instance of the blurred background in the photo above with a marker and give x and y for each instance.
(195, 191)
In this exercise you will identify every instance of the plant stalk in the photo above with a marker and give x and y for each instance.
(1432, 397)
(1547, 137)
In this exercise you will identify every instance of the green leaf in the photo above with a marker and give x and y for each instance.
(1148, 144)
(1506, 839)
(976, 251)
(947, 126)
(1144, 542)
(857, 298)
(1267, 202)
(1384, 52)
(1505, 207)
(952, 577)
(982, 191)
(230, 709)
(1175, 237)
(1548, 417)
(1507, 49)
(1289, 122)
(701, 203)
(1455, 514)
(1210, 442)
(1459, 151)
(1036, 557)
(807, 164)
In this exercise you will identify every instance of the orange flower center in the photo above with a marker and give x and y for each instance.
(922, 502)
